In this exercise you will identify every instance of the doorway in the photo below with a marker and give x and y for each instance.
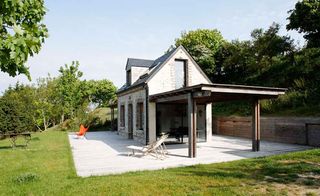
(130, 122)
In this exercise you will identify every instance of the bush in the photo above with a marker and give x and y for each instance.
(97, 119)
(13, 116)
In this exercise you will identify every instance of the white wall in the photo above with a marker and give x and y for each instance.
(209, 121)
(152, 122)
(136, 72)
(164, 79)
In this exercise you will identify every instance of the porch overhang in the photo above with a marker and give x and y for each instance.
(208, 93)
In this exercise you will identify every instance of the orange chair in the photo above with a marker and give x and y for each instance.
(82, 131)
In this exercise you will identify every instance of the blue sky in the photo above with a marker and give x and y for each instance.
(102, 34)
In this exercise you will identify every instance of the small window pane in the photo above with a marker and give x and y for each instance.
(122, 114)
(139, 116)
(179, 70)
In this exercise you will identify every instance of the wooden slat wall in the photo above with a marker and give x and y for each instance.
(279, 129)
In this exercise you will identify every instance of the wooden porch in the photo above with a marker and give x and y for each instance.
(210, 93)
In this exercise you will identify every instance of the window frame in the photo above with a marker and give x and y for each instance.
(122, 115)
(139, 115)
(185, 69)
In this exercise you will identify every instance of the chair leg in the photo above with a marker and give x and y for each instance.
(165, 149)
(161, 152)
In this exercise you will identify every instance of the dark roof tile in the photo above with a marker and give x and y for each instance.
(154, 65)
(132, 62)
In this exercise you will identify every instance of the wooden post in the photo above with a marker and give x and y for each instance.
(256, 125)
(191, 126)
(194, 129)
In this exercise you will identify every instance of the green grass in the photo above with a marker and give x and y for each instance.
(46, 168)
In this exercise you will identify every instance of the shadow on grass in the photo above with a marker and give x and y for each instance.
(221, 174)
(10, 147)
(35, 139)
(262, 170)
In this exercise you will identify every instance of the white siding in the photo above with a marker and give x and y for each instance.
(136, 72)
(164, 79)
(152, 122)
(209, 121)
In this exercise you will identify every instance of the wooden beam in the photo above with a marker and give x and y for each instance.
(201, 94)
(256, 125)
(172, 98)
(190, 125)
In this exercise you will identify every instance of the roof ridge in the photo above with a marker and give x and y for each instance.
(140, 59)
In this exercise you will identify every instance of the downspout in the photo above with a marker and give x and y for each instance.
(147, 113)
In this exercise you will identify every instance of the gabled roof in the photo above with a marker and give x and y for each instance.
(156, 64)
(132, 62)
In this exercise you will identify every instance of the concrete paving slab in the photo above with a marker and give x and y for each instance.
(105, 152)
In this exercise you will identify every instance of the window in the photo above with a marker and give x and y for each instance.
(139, 116)
(180, 73)
(129, 77)
(122, 115)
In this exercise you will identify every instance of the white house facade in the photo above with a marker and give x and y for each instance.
(143, 120)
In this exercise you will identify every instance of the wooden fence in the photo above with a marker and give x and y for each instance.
(295, 130)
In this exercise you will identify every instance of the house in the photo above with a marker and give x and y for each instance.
(173, 95)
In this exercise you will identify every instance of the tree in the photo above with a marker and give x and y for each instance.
(305, 18)
(233, 61)
(17, 109)
(202, 44)
(46, 103)
(21, 34)
(269, 44)
(100, 92)
(70, 90)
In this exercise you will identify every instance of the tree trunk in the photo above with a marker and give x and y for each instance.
(62, 118)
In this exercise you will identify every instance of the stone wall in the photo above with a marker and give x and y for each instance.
(132, 98)
(295, 130)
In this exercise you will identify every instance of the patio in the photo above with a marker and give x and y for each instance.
(105, 152)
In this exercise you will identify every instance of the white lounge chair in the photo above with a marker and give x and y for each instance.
(158, 148)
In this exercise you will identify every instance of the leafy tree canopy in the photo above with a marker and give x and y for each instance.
(21, 33)
(100, 92)
(69, 88)
(305, 18)
(202, 44)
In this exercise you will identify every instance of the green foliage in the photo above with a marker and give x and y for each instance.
(54, 100)
(267, 59)
(21, 33)
(306, 19)
(16, 110)
(100, 92)
(202, 44)
(69, 90)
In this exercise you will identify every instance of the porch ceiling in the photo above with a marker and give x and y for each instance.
(206, 93)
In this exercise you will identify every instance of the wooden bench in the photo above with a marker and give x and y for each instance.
(14, 136)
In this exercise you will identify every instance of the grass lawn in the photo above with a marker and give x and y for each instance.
(46, 168)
